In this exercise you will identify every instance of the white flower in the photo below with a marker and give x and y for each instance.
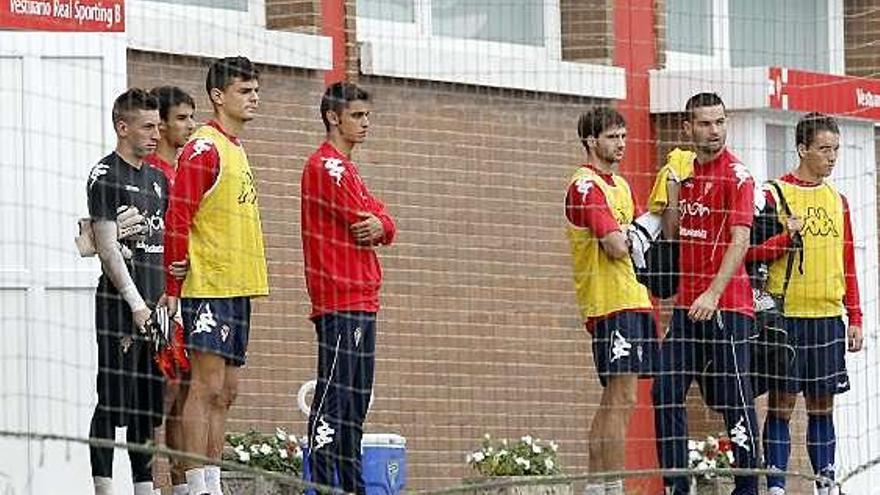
(291, 438)
(527, 439)
(553, 446)
(712, 442)
(280, 434)
(254, 449)
(694, 456)
(712, 464)
(487, 436)
(701, 446)
(490, 450)
(243, 456)
(504, 442)
(730, 456)
(525, 463)
(537, 449)
(702, 466)
(282, 453)
(692, 445)
(239, 448)
(265, 449)
(501, 453)
(479, 457)
(548, 463)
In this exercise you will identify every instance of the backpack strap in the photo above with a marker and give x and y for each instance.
(796, 240)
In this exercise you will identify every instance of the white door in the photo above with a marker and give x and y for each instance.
(56, 91)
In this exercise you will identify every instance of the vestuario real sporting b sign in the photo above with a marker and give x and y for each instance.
(63, 15)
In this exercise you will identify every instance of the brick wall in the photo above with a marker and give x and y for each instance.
(587, 30)
(861, 31)
(660, 28)
(294, 15)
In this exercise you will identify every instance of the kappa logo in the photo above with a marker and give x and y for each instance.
(393, 472)
(358, 333)
(205, 322)
(619, 346)
(97, 172)
(583, 186)
(224, 332)
(335, 169)
(201, 145)
(324, 433)
(740, 435)
(157, 189)
(742, 174)
(819, 223)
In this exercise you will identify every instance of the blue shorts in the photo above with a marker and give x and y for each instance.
(624, 343)
(819, 364)
(218, 326)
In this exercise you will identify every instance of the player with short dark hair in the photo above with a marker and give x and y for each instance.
(342, 224)
(214, 224)
(128, 385)
(615, 307)
(176, 109)
(708, 337)
(820, 287)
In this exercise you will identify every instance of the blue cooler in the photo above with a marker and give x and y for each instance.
(383, 460)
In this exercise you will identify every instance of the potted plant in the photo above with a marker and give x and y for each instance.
(709, 454)
(279, 453)
(527, 464)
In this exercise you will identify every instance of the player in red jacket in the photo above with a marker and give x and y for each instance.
(176, 110)
(342, 224)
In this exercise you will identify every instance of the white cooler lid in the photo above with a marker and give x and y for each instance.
(390, 439)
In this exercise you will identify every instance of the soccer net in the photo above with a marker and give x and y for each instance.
(472, 144)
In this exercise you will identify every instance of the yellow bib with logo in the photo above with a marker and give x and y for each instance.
(226, 252)
(818, 291)
(604, 285)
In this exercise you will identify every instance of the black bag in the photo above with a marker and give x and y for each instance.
(661, 274)
(771, 350)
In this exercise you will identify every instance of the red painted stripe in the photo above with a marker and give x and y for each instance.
(635, 50)
(333, 15)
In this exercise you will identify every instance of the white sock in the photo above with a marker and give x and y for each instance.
(594, 489)
(195, 480)
(143, 488)
(776, 490)
(212, 480)
(103, 486)
(614, 487)
(180, 490)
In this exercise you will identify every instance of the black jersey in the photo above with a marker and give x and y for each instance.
(114, 183)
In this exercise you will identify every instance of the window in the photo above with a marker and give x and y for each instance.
(507, 21)
(788, 33)
(689, 26)
(519, 25)
(217, 4)
(494, 43)
(798, 34)
(387, 10)
(235, 27)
